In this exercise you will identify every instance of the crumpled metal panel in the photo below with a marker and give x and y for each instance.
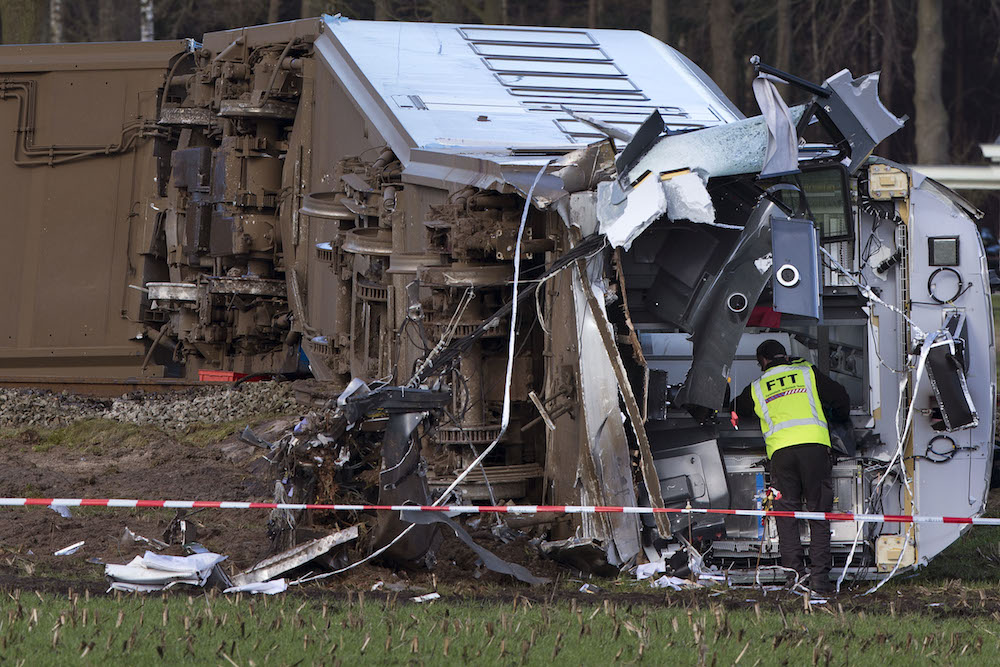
(716, 322)
(606, 439)
(605, 467)
(428, 520)
(855, 108)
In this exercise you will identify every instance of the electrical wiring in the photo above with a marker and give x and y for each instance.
(958, 292)
(933, 455)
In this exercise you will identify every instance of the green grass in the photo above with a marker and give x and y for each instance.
(44, 629)
(90, 434)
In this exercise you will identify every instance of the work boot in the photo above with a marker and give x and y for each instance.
(822, 587)
(799, 577)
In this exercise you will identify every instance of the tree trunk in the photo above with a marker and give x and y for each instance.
(146, 20)
(22, 21)
(55, 21)
(887, 56)
(720, 36)
(783, 36)
(814, 32)
(553, 13)
(593, 13)
(305, 9)
(383, 11)
(445, 11)
(273, 11)
(659, 24)
(106, 21)
(495, 12)
(928, 105)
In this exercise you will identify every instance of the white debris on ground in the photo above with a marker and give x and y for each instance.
(155, 572)
(272, 587)
(26, 408)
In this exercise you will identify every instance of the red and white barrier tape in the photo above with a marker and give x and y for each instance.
(490, 509)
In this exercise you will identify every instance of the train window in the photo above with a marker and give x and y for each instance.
(826, 196)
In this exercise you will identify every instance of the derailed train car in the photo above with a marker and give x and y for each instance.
(549, 251)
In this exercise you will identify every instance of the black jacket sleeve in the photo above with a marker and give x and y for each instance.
(743, 405)
(833, 396)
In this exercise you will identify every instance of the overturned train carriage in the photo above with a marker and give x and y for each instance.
(350, 197)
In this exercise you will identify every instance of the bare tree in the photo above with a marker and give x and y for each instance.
(721, 37)
(553, 13)
(273, 11)
(22, 21)
(383, 10)
(106, 21)
(445, 11)
(928, 105)
(783, 36)
(659, 22)
(146, 20)
(593, 13)
(55, 21)
(490, 12)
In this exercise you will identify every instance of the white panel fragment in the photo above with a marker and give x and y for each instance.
(688, 199)
(682, 197)
(621, 223)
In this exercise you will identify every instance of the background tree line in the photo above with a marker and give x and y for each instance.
(939, 58)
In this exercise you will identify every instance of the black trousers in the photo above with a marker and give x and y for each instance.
(804, 472)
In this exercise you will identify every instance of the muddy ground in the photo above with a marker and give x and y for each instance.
(95, 460)
(99, 459)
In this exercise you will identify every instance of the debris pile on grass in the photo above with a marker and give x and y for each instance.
(21, 408)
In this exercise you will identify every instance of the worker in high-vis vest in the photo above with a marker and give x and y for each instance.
(794, 401)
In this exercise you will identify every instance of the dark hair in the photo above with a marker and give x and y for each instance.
(771, 349)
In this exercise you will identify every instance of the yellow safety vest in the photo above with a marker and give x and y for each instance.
(787, 402)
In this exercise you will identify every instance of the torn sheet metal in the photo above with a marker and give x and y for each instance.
(947, 376)
(62, 511)
(70, 550)
(427, 597)
(673, 583)
(650, 478)
(272, 587)
(248, 436)
(606, 469)
(294, 557)
(720, 312)
(580, 553)
(607, 129)
(128, 537)
(152, 571)
(855, 109)
(490, 560)
(403, 480)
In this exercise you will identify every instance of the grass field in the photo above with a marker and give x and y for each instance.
(40, 629)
